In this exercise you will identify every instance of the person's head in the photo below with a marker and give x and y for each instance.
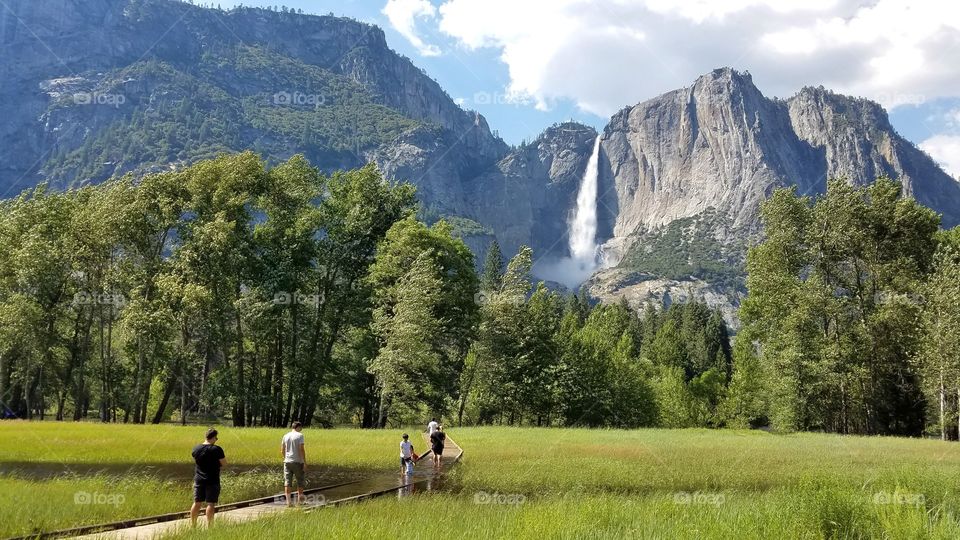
(433, 419)
(405, 436)
(297, 426)
(212, 435)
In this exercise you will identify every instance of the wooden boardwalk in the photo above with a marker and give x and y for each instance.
(424, 478)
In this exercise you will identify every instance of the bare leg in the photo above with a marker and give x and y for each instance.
(299, 495)
(286, 491)
(211, 509)
(194, 513)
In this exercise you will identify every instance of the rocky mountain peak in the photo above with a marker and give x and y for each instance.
(857, 112)
(566, 130)
(727, 79)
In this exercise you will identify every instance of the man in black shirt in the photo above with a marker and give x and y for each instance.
(206, 479)
(437, 440)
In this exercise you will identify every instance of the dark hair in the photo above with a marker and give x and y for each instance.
(211, 433)
(405, 436)
(296, 425)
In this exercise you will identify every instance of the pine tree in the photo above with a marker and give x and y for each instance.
(492, 277)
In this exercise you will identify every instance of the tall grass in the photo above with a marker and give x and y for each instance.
(553, 483)
(513, 482)
(772, 514)
(60, 475)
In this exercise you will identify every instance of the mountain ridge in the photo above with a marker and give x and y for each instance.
(188, 82)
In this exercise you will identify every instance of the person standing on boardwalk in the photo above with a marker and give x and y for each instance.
(294, 461)
(432, 427)
(436, 442)
(209, 458)
(406, 453)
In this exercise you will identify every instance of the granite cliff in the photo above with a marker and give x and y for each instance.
(90, 89)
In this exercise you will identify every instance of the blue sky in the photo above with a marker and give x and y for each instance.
(525, 64)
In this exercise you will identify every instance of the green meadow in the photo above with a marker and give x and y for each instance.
(57, 475)
(512, 482)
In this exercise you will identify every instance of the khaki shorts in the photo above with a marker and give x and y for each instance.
(290, 470)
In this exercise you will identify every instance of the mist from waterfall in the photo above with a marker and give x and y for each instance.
(584, 256)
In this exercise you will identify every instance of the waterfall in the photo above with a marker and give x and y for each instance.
(585, 256)
(583, 225)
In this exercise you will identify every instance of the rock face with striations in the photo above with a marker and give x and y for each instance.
(528, 196)
(720, 147)
(721, 144)
(718, 144)
(856, 141)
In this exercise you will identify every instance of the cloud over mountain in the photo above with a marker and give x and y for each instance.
(891, 51)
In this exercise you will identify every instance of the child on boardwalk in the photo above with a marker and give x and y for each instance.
(406, 455)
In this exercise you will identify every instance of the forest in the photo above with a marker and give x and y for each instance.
(234, 292)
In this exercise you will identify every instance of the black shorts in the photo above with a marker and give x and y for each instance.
(206, 492)
(438, 450)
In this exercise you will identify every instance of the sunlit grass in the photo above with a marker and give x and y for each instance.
(773, 514)
(551, 483)
(565, 482)
(59, 475)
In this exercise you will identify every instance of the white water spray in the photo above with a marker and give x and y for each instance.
(584, 256)
(583, 226)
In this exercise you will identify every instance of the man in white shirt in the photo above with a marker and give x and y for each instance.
(294, 461)
(406, 453)
(432, 427)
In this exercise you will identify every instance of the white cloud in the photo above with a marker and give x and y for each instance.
(607, 54)
(701, 10)
(945, 149)
(403, 15)
(953, 119)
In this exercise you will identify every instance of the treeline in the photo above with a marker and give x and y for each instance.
(545, 359)
(852, 322)
(228, 291)
(222, 288)
(233, 292)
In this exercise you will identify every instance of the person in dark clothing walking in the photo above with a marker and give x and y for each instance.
(436, 442)
(209, 458)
